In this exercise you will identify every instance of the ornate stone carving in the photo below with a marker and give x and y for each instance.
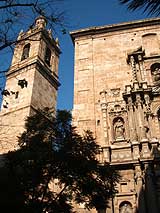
(119, 129)
(126, 207)
(155, 71)
(115, 92)
(133, 66)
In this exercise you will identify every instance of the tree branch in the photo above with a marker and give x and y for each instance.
(17, 5)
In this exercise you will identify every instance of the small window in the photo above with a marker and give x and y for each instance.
(25, 53)
(124, 187)
(48, 56)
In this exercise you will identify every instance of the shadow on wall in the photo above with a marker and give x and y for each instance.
(8, 188)
(149, 183)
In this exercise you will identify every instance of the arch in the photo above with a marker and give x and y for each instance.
(118, 128)
(47, 57)
(25, 53)
(155, 72)
(125, 207)
(117, 107)
(150, 44)
(149, 34)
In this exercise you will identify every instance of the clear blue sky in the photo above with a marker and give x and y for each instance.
(80, 14)
(83, 14)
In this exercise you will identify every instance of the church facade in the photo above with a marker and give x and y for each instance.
(31, 82)
(117, 97)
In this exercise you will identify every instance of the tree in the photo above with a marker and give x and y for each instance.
(150, 6)
(53, 155)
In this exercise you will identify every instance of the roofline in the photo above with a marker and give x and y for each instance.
(114, 27)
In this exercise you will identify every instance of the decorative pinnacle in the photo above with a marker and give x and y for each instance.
(41, 22)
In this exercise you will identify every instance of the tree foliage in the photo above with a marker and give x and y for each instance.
(152, 7)
(54, 168)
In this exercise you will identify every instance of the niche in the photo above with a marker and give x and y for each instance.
(25, 53)
(118, 128)
(47, 57)
(150, 44)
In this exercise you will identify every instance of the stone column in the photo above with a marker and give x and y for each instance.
(139, 189)
(145, 153)
(140, 60)
(148, 114)
(105, 148)
(140, 117)
(133, 66)
(132, 129)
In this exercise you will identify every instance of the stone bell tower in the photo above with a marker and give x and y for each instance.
(32, 81)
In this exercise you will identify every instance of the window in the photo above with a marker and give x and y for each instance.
(25, 53)
(124, 187)
(47, 58)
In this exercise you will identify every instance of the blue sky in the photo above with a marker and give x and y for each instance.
(83, 14)
(79, 14)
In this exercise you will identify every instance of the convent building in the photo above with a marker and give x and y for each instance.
(117, 97)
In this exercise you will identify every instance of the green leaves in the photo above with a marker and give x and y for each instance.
(152, 7)
(56, 167)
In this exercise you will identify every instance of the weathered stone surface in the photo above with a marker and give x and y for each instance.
(40, 87)
(117, 96)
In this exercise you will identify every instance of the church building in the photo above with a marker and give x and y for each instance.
(117, 97)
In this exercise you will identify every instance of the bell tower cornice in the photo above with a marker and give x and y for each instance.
(41, 34)
(39, 65)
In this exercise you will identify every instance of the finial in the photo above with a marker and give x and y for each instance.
(57, 42)
(50, 33)
(20, 34)
(41, 22)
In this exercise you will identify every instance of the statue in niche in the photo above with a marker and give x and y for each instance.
(126, 208)
(119, 129)
(155, 70)
(156, 74)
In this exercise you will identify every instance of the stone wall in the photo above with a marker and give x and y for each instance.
(117, 97)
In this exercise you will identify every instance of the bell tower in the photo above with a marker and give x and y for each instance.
(32, 81)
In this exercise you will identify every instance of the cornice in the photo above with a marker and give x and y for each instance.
(51, 77)
(114, 27)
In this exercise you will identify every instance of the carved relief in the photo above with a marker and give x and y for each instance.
(115, 92)
(125, 207)
(119, 130)
(118, 121)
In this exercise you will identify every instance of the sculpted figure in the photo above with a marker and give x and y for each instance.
(156, 74)
(119, 129)
(126, 208)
